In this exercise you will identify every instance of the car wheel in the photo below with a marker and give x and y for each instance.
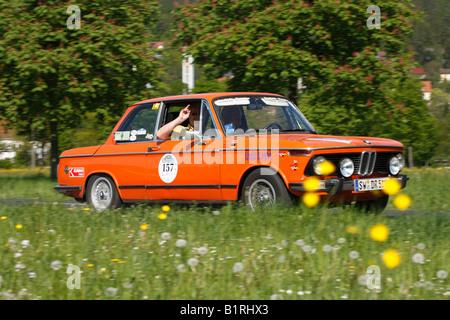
(264, 190)
(102, 193)
(376, 206)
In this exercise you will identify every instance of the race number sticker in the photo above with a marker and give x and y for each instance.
(76, 172)
(168, 168)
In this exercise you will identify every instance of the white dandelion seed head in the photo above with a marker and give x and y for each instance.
(420, 246)
(428, 285)
(353, 254)
(362, 280)
(418, 258)
(276, 297)
(300, 293)
(19, 266)
(442, 274)
(327, 248)
(307, 248)
(181, 243)
(216, 212)
(51, 232)
(25, 243)
(238, 267)
(181, 268)
(281, 259)
(192, 262)
(341, 240)
(31, 274)
(110, 292)
(56, 265)
(165, 236)
(300, 242)
(202, 251)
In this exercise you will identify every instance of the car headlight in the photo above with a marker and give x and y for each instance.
(394, 165)
(316, 164)
(346, 167)
(401, 158)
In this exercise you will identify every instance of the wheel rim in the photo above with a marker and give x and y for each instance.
(260, 194)
(101, 194)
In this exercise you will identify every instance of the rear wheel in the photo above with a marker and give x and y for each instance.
(377, 205)
(102, 193)
(263, 188)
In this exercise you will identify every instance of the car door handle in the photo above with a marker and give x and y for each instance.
(150, 149)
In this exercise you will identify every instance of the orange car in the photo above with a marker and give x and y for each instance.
(257, 148)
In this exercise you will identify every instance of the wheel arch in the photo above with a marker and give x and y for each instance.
(104, 174)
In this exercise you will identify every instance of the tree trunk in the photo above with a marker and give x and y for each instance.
(54, 154)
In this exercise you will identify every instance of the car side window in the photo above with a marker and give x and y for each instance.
(209, 128)
(140, 124)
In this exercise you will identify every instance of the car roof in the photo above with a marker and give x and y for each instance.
(208, 96)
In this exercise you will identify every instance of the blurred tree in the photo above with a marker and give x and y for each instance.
(53, 72)
(439, 108)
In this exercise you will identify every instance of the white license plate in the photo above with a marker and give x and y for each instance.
(369, 184)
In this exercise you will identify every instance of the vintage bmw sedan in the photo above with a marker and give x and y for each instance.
(257, 148)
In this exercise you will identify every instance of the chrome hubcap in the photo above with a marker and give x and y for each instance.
(261, 193)
(101, 194)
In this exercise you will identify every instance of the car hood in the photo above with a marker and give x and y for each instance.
(312, 141)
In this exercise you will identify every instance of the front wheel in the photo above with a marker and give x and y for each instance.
(377, 205)
(102, 193)
(263, 188)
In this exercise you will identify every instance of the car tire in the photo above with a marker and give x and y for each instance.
(264, 188)
(376, 206)
(102, 193)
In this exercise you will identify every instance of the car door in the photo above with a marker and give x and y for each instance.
(186, 169)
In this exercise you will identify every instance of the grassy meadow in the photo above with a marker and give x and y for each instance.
(200, 253)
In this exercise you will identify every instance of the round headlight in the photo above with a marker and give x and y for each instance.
(401, 158)
(394, 165)
(316, 164)
(346, 167)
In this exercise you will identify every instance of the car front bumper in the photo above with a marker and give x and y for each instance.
(336, 185)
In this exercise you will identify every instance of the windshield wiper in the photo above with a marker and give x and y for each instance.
(295, 130)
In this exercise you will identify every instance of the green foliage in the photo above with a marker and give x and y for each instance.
(52, 75)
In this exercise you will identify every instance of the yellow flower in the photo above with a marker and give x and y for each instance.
(86, 209)
(311, 184)
(144, 227)
(165, 208)
(162, 216)
(402, 201)
(326, 167)
(18, 226)
(352, 229)
(379, 232)
(391, 258)
(392, 186)
(3, 218)
(90, 265)
(311, 199)
(115, 260)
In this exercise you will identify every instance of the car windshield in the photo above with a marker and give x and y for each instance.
(260, 114)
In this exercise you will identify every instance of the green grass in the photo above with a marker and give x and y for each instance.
(113, 251)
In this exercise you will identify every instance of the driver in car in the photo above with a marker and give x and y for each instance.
(174, 130)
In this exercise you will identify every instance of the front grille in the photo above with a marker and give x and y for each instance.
(366, 162)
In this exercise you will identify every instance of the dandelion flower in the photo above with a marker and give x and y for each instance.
(165, 236)
(421, 246)
(300, 242)
(162, 216)
(19, 226)
(418, 258)
(326, 168)
(379, 232)
(192, 262)
(327, 248)
(311, 199)
(181, 243)
(402, 201)
(56, 265)
(352, 229)
(90, 265)
(165, 208)
(202, 250)
(353, 254)
(216, 212)
(144, 227)
(442, 274)
(392, 186)
(3, 218)
(428, 285)
(341, 240)
(238, 267)
(276, 297)
(311, 184)
(391, 258)
(307, 248)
